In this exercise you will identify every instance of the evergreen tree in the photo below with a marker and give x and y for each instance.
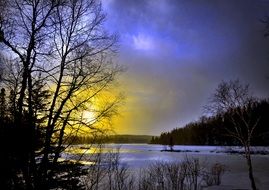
(2, 104)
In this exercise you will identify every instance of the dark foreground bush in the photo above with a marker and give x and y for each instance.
(189, 174)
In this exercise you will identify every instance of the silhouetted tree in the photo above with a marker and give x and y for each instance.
(62, 54)
(3, 107)
(235, 98)
(171, 143)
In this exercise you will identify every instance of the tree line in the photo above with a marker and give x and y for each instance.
(211, 130)
(82, 139)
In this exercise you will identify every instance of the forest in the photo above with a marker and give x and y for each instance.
(112, 139)
(212, 130)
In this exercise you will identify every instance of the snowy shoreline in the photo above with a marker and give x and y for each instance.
(137, 156)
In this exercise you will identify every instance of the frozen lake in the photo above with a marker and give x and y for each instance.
(137, 156)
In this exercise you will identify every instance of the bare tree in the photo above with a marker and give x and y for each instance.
(62, 45)
(233, 99)
(189, 174)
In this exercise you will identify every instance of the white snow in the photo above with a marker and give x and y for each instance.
(137, 156)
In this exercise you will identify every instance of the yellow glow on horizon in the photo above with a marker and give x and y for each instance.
(144, 102)
(97, 113)
(133, 113)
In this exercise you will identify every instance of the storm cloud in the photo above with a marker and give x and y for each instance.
(177, 52)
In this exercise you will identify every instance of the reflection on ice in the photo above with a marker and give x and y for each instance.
(83, 162)
(139, 156)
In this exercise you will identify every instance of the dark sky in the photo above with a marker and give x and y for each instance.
(177, 51)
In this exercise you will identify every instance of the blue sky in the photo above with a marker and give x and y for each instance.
(177, 51)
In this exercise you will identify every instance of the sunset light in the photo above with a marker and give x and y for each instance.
(134, 94)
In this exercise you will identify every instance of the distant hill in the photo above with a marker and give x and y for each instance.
(129, 139)
(111, 139)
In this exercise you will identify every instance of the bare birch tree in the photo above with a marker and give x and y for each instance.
(234, 99)
(64, 45)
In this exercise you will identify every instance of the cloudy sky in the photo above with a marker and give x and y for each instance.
(177, 51)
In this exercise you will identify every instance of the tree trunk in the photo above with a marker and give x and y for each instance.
(250, 170)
